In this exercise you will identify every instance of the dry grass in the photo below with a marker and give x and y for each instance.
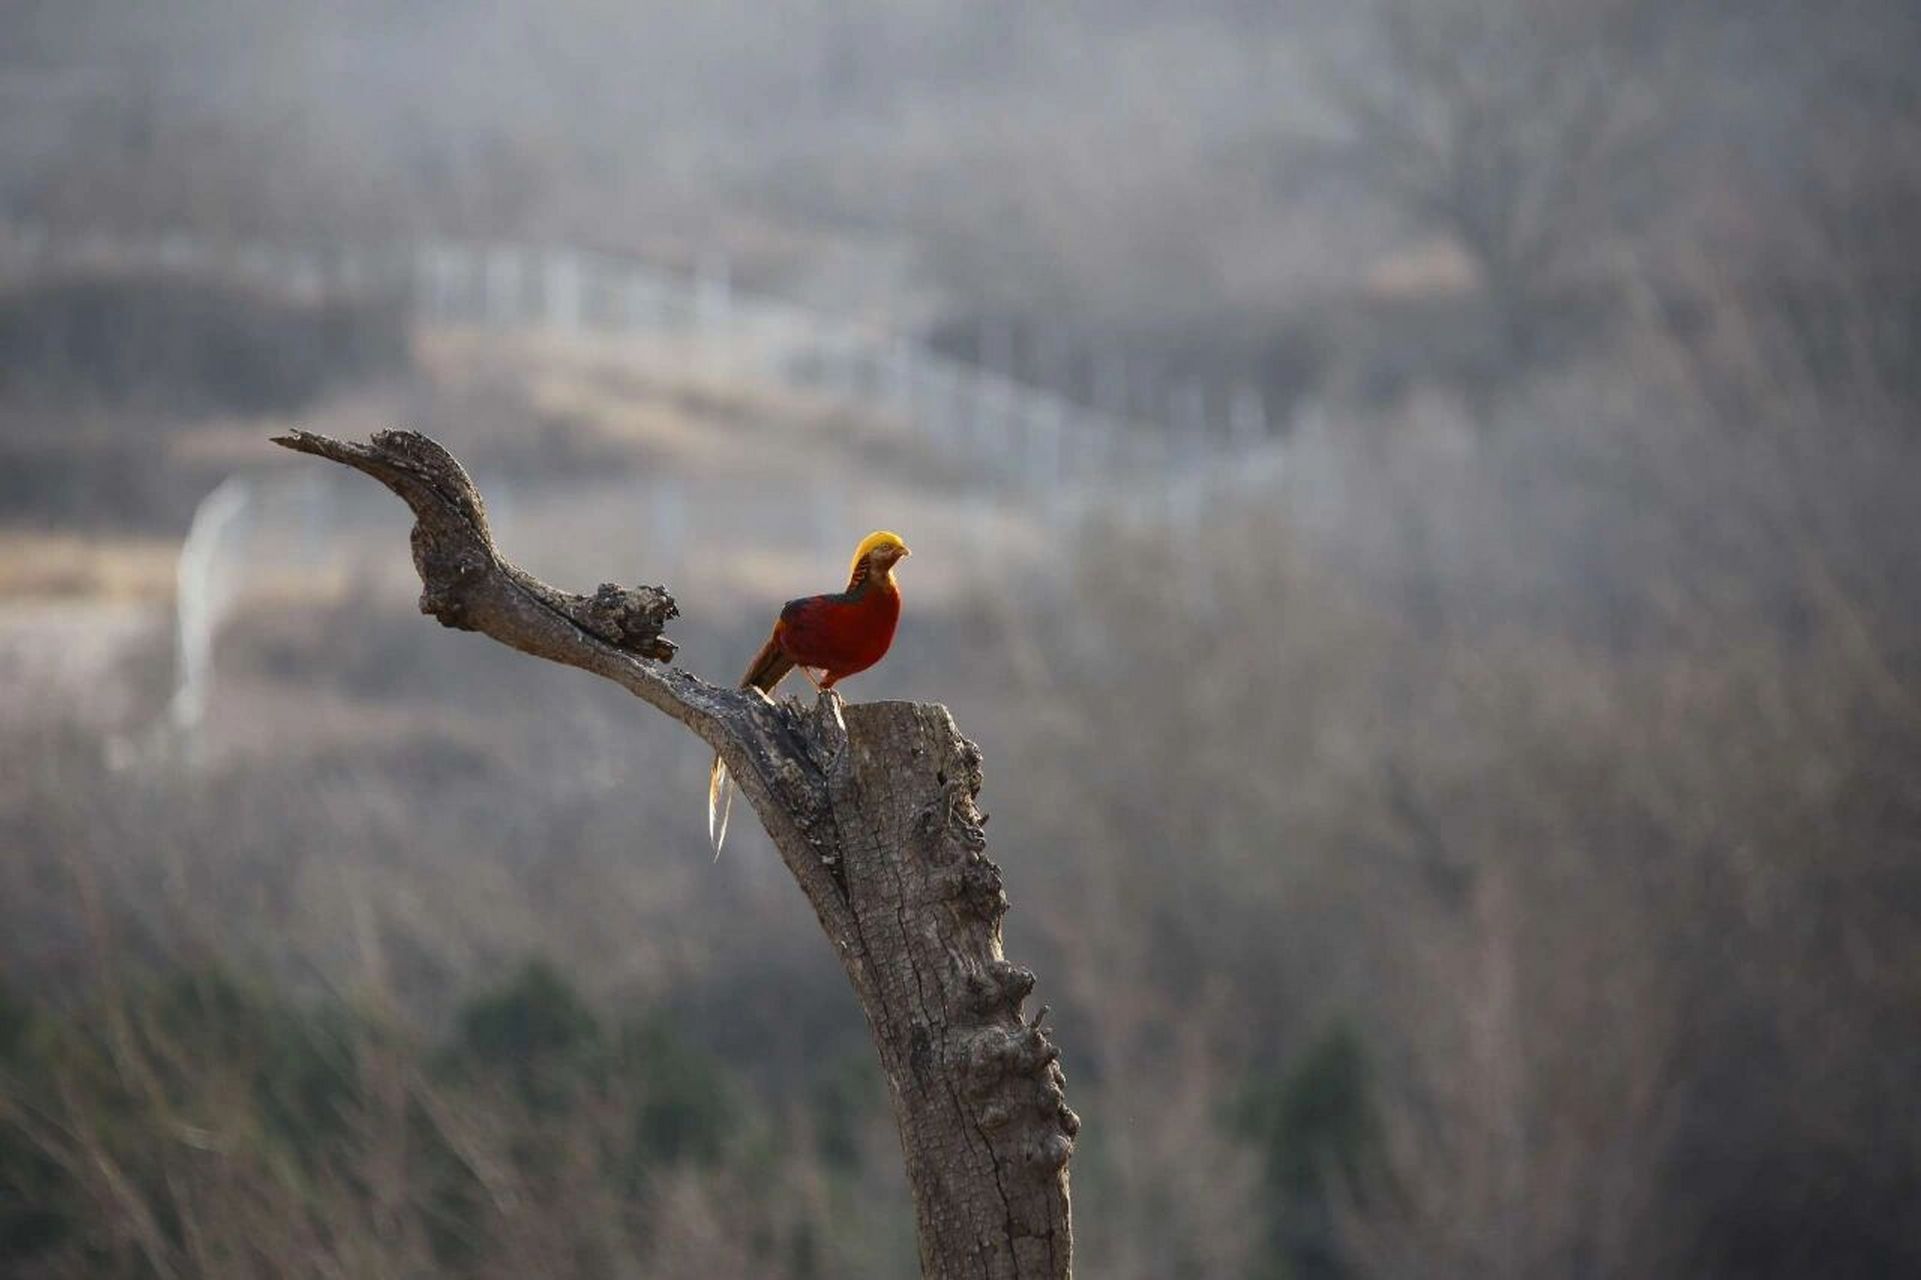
(38, 565)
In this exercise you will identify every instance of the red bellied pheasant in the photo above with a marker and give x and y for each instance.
(836, 635)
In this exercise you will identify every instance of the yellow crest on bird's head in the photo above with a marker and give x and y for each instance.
(879, 540)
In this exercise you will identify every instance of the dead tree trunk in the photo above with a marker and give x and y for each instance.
(872, 809)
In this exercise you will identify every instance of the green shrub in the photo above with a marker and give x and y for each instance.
(1314, 1127)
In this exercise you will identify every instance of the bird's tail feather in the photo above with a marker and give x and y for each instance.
(720, 803)
(769, 667)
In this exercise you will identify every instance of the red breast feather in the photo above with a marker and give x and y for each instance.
(842, 633)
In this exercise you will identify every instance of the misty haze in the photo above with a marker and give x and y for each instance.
(1417, 503)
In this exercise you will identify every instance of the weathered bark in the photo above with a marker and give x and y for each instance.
(872, 809)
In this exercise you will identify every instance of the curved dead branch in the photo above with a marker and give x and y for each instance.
(872, 808)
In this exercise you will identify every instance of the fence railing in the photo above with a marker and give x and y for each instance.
(1030, 442)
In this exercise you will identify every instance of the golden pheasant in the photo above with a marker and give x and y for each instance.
(836, 635)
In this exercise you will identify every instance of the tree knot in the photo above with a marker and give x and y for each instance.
(977, 888)
(1050, 1152)
(629, 618)
(1001, 986)
(997, 1054)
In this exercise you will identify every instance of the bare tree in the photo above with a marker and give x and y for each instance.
(872, 809)
(1521, 130)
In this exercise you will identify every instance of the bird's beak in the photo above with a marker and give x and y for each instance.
(904, 552)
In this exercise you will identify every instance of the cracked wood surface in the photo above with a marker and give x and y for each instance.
(871, 807)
